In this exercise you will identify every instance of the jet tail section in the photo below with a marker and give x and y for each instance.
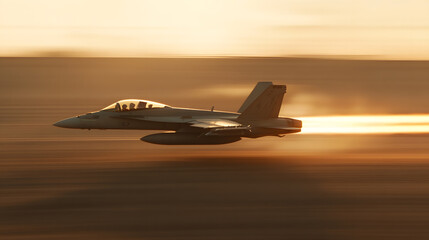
(264, 102)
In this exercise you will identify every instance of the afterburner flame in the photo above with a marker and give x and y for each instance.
(366, 124)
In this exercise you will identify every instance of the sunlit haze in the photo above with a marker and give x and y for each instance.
(358, 170)
(381, 29)
(355, 72)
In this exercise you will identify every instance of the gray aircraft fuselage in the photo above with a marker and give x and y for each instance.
(175, 119)
(257, 117)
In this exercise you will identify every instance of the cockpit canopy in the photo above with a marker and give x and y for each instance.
(133, 104)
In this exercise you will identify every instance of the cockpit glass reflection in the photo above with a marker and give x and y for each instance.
(133, 104)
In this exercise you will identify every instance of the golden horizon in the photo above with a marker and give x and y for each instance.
(215, 29)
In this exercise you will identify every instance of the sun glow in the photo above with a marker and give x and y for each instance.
(366, 124)
(215, 28)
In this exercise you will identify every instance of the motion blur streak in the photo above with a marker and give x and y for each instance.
(364, 124)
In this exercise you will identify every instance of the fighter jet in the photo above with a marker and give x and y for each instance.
(257, 117)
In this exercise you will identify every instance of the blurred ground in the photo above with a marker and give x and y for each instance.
(78, 184)
(127, 189)
(315, 86)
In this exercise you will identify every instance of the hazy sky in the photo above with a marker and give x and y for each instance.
(380, 28)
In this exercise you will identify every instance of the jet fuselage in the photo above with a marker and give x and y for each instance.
(257, 117)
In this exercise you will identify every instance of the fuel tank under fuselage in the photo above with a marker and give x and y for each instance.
(188, 139)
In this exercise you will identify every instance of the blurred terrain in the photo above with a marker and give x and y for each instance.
(315, 86)
(78, 184)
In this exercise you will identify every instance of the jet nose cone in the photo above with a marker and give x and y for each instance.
(68, 123)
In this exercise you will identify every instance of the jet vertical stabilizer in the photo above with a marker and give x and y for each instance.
(264, 102)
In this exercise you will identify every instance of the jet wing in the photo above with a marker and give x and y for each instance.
(221, 127)
(194, 122)
(213, 123)
(211, 127)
